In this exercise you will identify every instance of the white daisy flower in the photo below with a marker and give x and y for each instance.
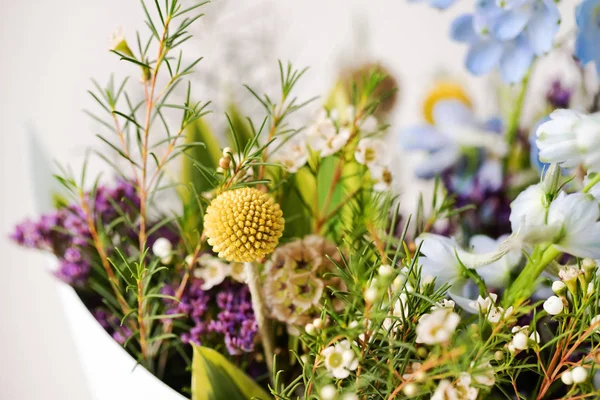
(437, 327)
(340, 359)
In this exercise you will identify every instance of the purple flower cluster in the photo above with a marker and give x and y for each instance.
(65, 232)
(112, 325)
(225, 310)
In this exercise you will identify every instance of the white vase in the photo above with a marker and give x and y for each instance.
(111, 373)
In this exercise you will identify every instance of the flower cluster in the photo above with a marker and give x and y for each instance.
(299, 278)
(65, 232)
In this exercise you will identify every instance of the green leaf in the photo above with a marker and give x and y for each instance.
(240, 125)
(215, 378)
(194, 181)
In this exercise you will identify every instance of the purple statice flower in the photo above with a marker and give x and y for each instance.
(224, 312)
(558, 96)
(65, 232)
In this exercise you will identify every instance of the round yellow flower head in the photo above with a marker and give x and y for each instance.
(443, 90)
(243, 225)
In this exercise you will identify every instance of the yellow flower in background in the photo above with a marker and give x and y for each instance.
(444, 90)
(243, 225)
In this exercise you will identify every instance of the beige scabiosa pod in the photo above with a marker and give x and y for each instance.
(243, 225)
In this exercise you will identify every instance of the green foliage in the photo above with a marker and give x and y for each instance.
(215, 378)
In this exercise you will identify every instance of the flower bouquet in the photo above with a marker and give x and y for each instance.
(286, 270)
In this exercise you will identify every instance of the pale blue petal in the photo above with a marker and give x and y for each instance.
(516, 61)
(452, 112)
(441, 4)
(543, 27)
(510, 24)
(490, 175)
(494, 125)
(462, 30)
(438, 162)
(422, 137)
(484, 56)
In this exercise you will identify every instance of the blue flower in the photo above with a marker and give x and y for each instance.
(587, 47)
(439, 4)
(506, 36)
(455, 136)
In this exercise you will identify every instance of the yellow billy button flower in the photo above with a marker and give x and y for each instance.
(443, 90)
(243, 225)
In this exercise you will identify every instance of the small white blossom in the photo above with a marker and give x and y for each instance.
(398, 313)
(484, 374)
(410, 389)
(318, 323)
(382, 178)
(520, 341)
(324, 137)
(353, 325)
(293, 156)
(445, 391)
(385, 270)
(553, 305)
(237, 272)
(570, 138)
(484, 305)
(579, 374)
(558, 287)
(445, 303)
(567, 378)
(350, 396)
(212, 271)
(115, 38)
(340, 359)
(535, 337)
(569, 273)
(163, 249)
(437, 327)
(371, 294)
(310, 329)
(328, 392)
(464, 388)
(370, 151)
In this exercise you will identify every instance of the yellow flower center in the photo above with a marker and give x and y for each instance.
(444, 90)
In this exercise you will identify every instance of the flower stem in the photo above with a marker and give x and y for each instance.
(252, 278)
(525, 284)
(591, 183)
(512, 129)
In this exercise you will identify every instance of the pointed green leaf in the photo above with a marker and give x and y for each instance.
(240, 125)
(215, 378)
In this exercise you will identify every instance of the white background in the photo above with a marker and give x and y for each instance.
(50, 49)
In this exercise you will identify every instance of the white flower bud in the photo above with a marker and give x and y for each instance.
(551, 180)
(371, 294)
(310, 329)
(427, 280)
(410, 389)
(188, 259)
(318, 323)
(558, 287)
(520, 341)
(385, 271)
(535, 337)
(162, 248)
(498, 355)
(227, 151)
(353, 325)
(567, 377)
(579, 374)
(350, 396)
(328, 392)
(553, 305)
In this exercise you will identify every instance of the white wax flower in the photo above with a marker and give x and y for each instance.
(570, 138)
(444, 391)
(385, 270)
(558, 287)
(370, 151)
(553, 305)
(520, 341)
(340, 359)
(579, 374)
(328, 392)
(163, 249)
(567, 377)
(484, 374)
(324, 137)
(463, 386)
(382, 178)
(212, 271)
(437, 327)
(292, 155)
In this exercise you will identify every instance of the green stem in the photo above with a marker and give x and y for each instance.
(592, 183)
(525, 284)
(512, 128)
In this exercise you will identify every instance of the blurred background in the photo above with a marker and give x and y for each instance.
(52, 49)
